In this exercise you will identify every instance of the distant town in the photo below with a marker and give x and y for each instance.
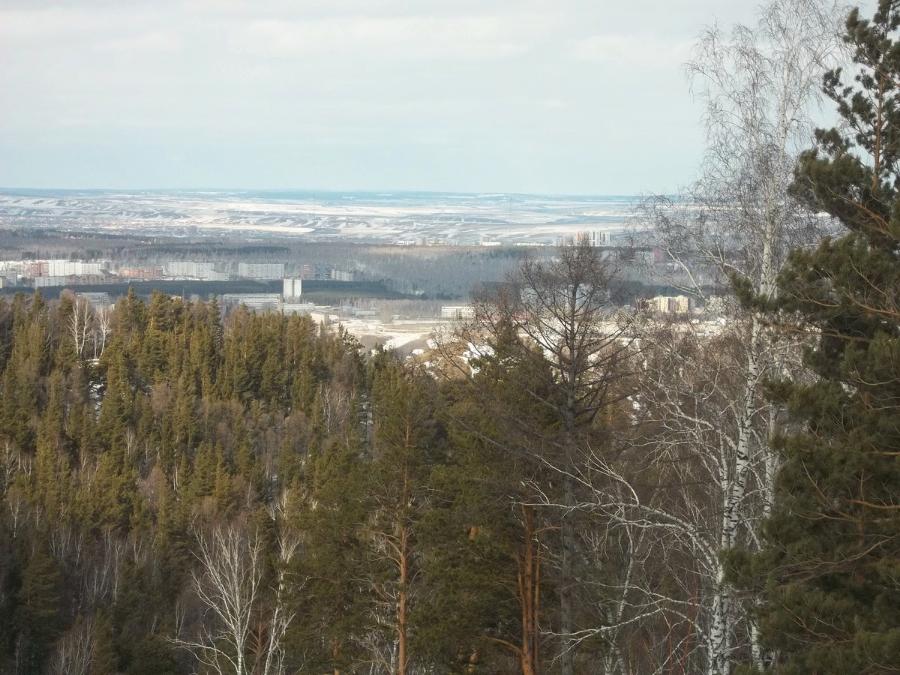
(366, 304)
(391, 268)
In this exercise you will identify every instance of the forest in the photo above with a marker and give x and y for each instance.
(560, 486)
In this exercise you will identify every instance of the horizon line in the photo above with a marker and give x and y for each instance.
(331, 191)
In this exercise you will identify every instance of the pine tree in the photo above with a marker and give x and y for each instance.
(832, 552)
(481, 555)
(407, 443)
(40, 617)
(487, 572)
(336, 605)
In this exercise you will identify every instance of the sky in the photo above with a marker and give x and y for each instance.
(561, 96)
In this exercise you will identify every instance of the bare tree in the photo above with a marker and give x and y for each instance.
(230, 589)
(738, 222)
(574, 344)
(665, 490)
(101, 572)
(759, 86)
(693, 417)
(228, 586)
(288, 541)
(75, 650)
(102, 329)
(81, 321)
(620, 555)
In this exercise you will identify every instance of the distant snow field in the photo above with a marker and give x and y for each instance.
(398, 218)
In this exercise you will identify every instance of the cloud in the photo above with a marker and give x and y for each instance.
(28, 26)
(158, 41)
(479, 91)
(472, 37)
(641, 51)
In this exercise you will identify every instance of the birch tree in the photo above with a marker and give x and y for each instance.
(661, 492)
(229, 586)
(691, 417)
(74, 651)
(737, 223)
(735, 226)
(80, 325)
(102, 329)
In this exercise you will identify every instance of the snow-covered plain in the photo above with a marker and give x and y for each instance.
(389, 218)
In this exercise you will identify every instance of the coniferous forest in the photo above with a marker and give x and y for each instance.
(558, 485)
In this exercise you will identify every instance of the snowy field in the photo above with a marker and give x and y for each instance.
(390, 218)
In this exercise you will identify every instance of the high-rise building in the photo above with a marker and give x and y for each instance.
(457, 312)
(261, 270)
(293, 288)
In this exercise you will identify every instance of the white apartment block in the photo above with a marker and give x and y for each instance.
(261, 270)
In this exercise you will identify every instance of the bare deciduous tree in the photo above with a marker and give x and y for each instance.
(736, 225)
(102, 329)
(74, 650)
(288, 541)
(575, 343)
(230, 589)
(738, 222)
(666, 490)
(81, 322)
(228, 586)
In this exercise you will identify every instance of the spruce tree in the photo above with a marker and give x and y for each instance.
(40, 611)
(831, 561)
(407, 442)
(336, 603)
(481, 553)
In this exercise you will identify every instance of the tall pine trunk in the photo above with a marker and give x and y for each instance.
(403, 555)
(403, 603)
(566, 620)
(566, 624)
(529, 595)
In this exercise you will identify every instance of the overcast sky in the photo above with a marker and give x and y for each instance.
(561, 96)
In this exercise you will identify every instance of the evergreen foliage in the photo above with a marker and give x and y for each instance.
(408, 519)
